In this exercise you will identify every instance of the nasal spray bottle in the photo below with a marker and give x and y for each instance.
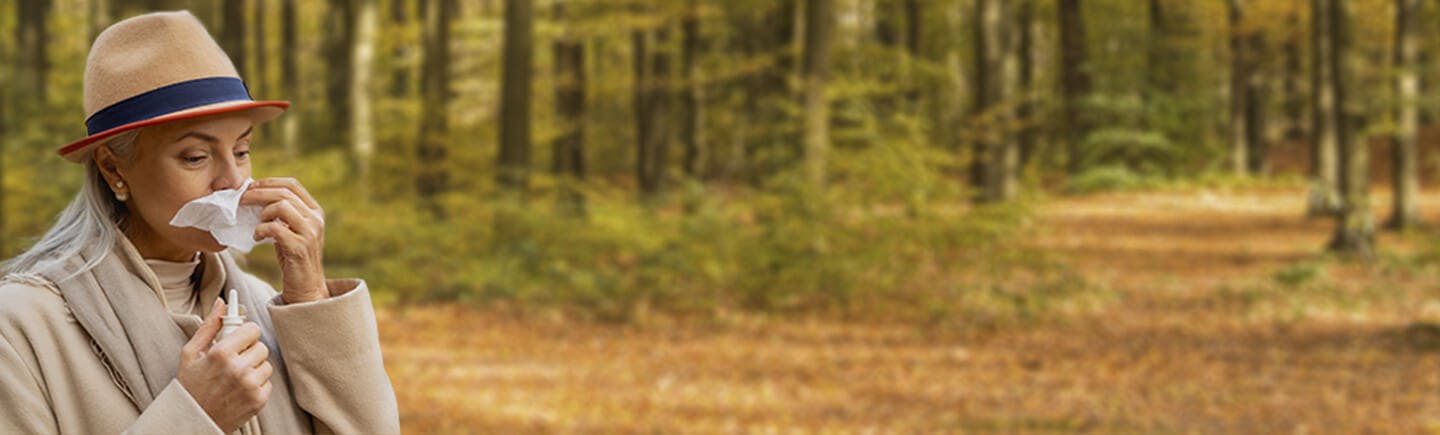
(232, 318)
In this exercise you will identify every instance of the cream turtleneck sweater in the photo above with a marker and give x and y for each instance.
(177, 282)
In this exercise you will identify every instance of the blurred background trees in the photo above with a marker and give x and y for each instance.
(761, 153)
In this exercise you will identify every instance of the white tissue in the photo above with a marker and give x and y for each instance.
(221, 214)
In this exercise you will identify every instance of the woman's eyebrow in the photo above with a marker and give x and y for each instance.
(209, 138)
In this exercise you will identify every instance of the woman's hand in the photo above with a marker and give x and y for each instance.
(297, 223)
(229, 379)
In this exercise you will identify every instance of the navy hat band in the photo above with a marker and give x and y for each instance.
(166, 100)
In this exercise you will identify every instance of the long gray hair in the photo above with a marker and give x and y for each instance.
(89, 225)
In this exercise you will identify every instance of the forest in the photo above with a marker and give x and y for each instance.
(839, 215)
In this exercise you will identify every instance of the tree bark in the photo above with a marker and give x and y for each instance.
(1355, 229)
(819, 25)
(568, 155)
(32, 36)
(259, 73)
(1405, 212)
(400, 67)
(430, 153)
(1025, 41)
(1324, 198)
(1294, 103)
(1239, 90)
(290, 75)
(514, 158)
(99, 17)
(996, 158)
(691, 126)
(1075, 79)
(640, 53)
(232, 34)
(362, 56)
(340, 38)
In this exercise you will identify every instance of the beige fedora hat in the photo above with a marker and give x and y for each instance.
(157, 68)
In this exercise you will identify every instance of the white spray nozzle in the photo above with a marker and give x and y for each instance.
(232, 318)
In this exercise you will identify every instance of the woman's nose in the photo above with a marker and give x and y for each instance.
(230, 176)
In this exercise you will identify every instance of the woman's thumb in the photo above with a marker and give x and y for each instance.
(207, 331)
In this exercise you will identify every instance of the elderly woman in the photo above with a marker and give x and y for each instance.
(111, 322)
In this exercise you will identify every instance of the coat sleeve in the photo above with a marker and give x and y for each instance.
(332, 353)
(174, 411)
(26, 408)
(27, 405)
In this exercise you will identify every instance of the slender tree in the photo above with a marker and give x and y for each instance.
(99, 17)
(400, 68)
(1324, 196)
(232, 34)
(32, 36)
(819, 25)
(652, 98)
(339, 43)
(996, 158)
(690, 126)
(432, 178)
(362, 56)
(1405, 212)
(290, 75)
(1240, 98)
(568, 148)
(1024, 55)
(1355, 229)
(514, 162)
(1075, 79)
(260, 72)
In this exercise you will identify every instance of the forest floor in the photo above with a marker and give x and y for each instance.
(1226, 318)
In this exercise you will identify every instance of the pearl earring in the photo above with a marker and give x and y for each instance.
(121, 195)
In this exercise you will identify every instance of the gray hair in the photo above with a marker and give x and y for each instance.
(89, 225)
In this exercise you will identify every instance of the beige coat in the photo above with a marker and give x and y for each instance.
(54, 378)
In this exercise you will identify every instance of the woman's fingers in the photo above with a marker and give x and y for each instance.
(256, 355)
(290, 184)
(277, 230)
(266, 196)
(285, 211)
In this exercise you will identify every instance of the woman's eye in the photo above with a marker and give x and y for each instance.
(242, 155)
(193, 159)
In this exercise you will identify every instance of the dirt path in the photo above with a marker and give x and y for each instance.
(1198, 340)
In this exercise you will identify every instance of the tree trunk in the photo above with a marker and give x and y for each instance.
(652, 66)
(1025, 40)
(340, 38)
(362, 56)
(1075, 79)
(232, 34)
(1156, 81)
(1324, 198)
(514, 164)
(1405, 212)
(690, 127)
(640, 52)
(32, 37)
(1294, 103)
(290, 75)
(430, 153)
(1355, 229)
(996, 158)
(259, 78)
(568, 155)
(819, 25)
(99, 17)
(400, 65)
(914, 22)
(1239, 90)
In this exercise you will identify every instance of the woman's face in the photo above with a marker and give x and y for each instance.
(172, 164)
